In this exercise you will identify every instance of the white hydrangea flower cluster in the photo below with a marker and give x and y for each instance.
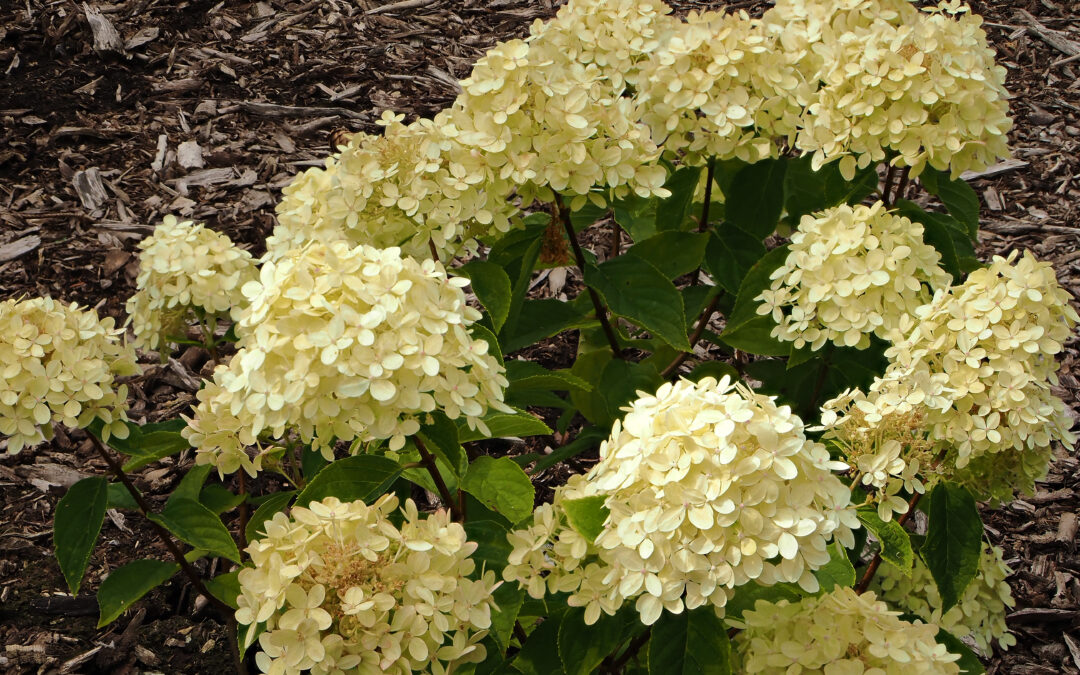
(413, 187)
(851, 272)
(839, 633)
(549, 113)
(708, 486)
(345, 343)
(980, 614)
(183, 266)
(719, 86)
(978, 360)
(341, 589)
(60, 364)
(896, 80)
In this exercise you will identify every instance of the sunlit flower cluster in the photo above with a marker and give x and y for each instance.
(981, 611)
(549, 113)
(896, 80)
(978, 360)
(341, 589)
(59, 365)
(414, 187)
(851, 272)
(184, 266)
(343, 342)
(708, 486)
(841, 633)
(719, 86)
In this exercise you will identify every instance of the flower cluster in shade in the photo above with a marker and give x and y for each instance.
(978, 362)
(851, 272)
(184, 266)
(413, 187)
(59, 364)
(919, 85)
(344, 343)
(342, 589)
(980, 613)
(838, 633)
(707, 486)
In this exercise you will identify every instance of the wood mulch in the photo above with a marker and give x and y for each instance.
(113, 115)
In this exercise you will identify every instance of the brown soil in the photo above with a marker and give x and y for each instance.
(260, 86)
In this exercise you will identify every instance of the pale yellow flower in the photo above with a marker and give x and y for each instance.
(60, 364)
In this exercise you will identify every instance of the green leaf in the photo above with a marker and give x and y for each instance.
(529, 375)
(944, 233)
(582, 647)
(587, 515)
(589, 438)
(219, 499)
(198, 526)
(501, 485)
(120, 498)
(311, 462)
(492, 547)
(491, 285)
(361, 477)
(76, 526)
(440, 437)
(751, 286)
(673, 212)
(635, 290)
(520, 274)
(191, 484)
(504, 425)
(969, 662)
(540, 319)
(125, 585)
(589, 365)
(807, 191)
(894, 539)
(693, 642)
(730, 254)
(957, 196)
(673, 253)
(755, 337)
(714, 369)
(273, 504)
(838, 572)
(511, 247)
(756, 198)
(225, 587)
(621, 381)
(953, 541)
(540, 653)
(746, 596)
(636, 215)
(148, 443)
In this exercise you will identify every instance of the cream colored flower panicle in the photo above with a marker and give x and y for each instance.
(978, 361)
(341, 589)
(345, 343)
(411, 185)
(719, 86)
(896, 80)
(59, 365)
(183, 266)
(839, 633)
(981, 611)
(851, 272)
(549, 113)
(708, 486)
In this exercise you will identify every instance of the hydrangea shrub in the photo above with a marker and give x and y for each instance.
(777, 359)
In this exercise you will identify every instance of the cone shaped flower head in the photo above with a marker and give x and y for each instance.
(346, 343)
(184, 266)
(980, 613)
(978, 361)
(412, 187)
(703, 487)
(341, 589)
(59, 364)
(851, 272)
(841, 633)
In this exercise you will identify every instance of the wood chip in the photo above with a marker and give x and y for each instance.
(274, 110)
(398, 6)
(1004, 166)
(91, 191)
(14, 249)
(993, 199)
(189, 155)
(144, 36)
(106, 39)
(1067, 526)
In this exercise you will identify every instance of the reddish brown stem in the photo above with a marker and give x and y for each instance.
(699, 330)
(444, 492)
(875, 562)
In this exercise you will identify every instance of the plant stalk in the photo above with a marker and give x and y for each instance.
(579, 256)
(875, 563)
(699, 330)
(444, 492)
